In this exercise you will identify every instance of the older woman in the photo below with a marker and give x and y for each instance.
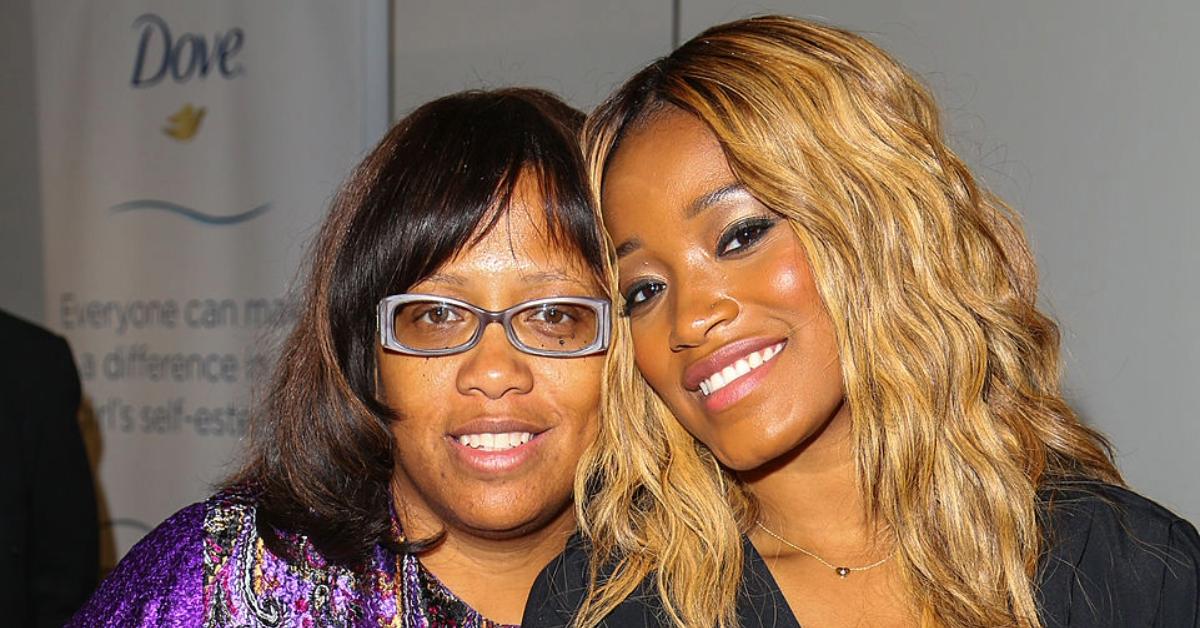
(846, 407)
(413, 462)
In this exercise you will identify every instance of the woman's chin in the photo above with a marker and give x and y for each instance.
(757, 455)
(505, 521)
(742, 460)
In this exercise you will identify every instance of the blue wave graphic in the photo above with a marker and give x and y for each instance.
(192, 214)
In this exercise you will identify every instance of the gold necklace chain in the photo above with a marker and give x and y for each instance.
(842, 572)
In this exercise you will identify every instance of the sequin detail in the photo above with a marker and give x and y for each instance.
(242, 583)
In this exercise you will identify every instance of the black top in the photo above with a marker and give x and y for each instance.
(1114, 558)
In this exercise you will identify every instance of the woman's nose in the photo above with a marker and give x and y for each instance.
(494, 368)
(698, 312)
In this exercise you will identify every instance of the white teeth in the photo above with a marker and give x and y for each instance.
(738, 369)
(495, 442)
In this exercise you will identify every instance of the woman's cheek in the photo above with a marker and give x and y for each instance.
(787, 276)
(649, 364)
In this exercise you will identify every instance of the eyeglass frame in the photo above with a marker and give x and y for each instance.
(387, 334)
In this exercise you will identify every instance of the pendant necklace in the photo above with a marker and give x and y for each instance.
(842, 572)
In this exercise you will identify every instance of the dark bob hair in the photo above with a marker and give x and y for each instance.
(320, 460)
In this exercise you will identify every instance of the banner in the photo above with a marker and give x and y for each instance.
(188, 152)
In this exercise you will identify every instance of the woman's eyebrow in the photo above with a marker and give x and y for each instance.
(708, 199)
(628, 246)
(446, 278)
(551, 276)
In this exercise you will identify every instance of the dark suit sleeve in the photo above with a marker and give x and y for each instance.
(64, 542)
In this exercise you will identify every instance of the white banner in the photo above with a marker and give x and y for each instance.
(187, 152)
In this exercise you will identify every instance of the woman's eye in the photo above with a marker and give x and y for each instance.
(551, 314)
(743, 234)
(438, 315)
(641, 293)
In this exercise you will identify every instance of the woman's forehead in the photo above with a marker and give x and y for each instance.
(661, 168)
(519, 246)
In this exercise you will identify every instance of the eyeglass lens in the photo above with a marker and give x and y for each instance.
(555, 327)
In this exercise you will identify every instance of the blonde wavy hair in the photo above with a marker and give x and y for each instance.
(951, 372)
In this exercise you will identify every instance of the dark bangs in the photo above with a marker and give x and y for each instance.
(438, 182)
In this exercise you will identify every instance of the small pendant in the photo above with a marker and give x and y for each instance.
(842, 572)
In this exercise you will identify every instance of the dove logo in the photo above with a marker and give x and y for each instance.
(190, 55)
(183, 124)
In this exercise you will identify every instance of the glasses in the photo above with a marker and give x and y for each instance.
(557, 327)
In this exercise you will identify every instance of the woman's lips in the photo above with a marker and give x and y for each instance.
(496, 452)
(738, 378)
(725, 356)
(739, 368)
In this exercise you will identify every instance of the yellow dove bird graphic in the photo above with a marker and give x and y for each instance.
(183, 124)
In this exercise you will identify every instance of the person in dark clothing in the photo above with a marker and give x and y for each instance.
(846, 408)
(49, 536)
(1115, 559)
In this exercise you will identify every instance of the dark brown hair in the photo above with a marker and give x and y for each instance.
(321, 453)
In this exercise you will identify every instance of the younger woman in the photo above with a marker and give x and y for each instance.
(833, 399)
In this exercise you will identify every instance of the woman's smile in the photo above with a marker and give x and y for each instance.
(732, 372)
(495, 446)
(496, 454)
(725, 317)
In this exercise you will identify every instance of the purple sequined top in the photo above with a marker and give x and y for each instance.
(207, 566)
